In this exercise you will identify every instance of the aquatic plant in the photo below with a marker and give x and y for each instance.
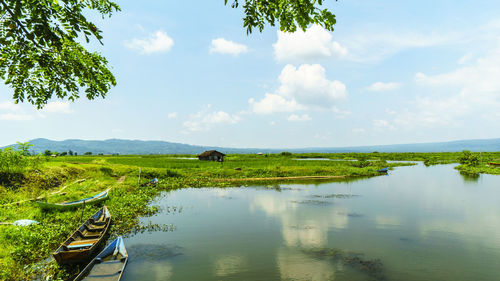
(373, 268)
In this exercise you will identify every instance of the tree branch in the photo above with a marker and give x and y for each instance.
(13, 16)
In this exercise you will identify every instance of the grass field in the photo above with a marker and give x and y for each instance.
(23, 250)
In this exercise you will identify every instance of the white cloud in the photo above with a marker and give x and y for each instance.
(358, 130)
(376, 45)
(15, 117)
(172, 115)
(303, 88)
(223, 46)
(58, 107)
(7, 105)
(314, 43)
(471, 90)
(383, 124)
(13, 112)
(295, 117)
(383, 87)
(157, 42)
(205, 120)
(272, 103)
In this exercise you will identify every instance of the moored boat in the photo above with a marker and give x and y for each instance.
(494, 164)
(384, 170)
(151, 182)
(85, 240)
(74, 204)
(108, 265)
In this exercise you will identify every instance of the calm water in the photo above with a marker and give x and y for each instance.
(417, 223)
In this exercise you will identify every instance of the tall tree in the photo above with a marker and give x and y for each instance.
(41, 57)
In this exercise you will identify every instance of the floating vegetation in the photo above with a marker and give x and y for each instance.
(335, 195)
(153, 227)
(312, 202)
(152, 252)
(406, 239)
(302, 227)
(351, 215)
(372, 268)
(171, 210)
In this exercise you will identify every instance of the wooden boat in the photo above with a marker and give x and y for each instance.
(493, 164)
(74, 204)
(85, 240)
(384, 170)
(108, 265)
(151, 182)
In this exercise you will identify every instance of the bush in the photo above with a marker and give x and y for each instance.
(286, 153)
(468, 158)
(12, 161)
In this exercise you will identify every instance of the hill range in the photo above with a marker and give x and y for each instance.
(120, 146)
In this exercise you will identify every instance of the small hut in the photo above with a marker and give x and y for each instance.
(212, 155)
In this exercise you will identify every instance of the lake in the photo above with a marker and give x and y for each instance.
(417, 223)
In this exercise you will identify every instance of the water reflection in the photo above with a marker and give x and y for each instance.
(297, 266)
(415, 224)
(469, 177)
(230, 264)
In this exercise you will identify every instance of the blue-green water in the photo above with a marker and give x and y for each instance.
(418, 223)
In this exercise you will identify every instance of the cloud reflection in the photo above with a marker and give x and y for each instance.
(230, 264)
(297, 266)
(302, 226)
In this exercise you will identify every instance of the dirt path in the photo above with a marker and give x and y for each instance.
(121, 179)
(282, 178)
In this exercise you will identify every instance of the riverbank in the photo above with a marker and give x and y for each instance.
(69, 178)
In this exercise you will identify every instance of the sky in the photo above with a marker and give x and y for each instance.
(391, 72)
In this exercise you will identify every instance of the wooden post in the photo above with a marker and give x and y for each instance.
(139, 179)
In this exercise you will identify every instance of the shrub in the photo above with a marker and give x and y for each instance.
(12, 161)
(468, 158)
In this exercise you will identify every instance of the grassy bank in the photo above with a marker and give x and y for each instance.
(24, 250)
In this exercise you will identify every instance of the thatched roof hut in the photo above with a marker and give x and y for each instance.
(212, 155)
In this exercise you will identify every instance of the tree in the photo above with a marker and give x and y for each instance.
(88, 153)
(47, 153)
(288, 13)
(41, 58)
(23, 148)
(40, 54)
(70, 152)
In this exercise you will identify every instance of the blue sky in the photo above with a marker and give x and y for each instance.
(391, 72)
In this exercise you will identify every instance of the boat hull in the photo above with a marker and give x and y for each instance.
(108, 264)
(80, 246)
(75, 204)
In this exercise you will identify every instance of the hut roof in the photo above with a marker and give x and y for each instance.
(210, 152)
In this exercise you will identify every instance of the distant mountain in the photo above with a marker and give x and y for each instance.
(163, 147)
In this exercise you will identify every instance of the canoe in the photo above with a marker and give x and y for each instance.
(493, 164)
(108, 265)
(85, 240)
(74, 204)
(384, 170)
(151, 182)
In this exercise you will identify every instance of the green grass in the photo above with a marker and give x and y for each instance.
(22, 248)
